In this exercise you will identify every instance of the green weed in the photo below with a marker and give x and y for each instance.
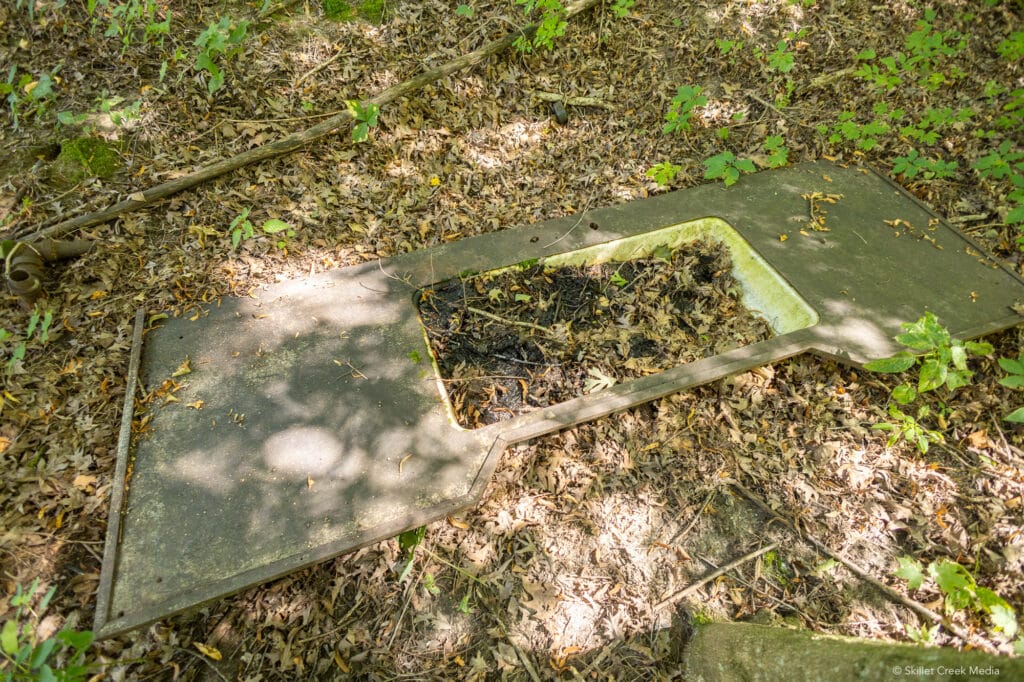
(727, 167)
(365, 116)
(663, 173)
(687, 98)
(913, 164)
(778, 153)
(1014, 369)
(220, 42)
(960, 591)
(27, 95)
(27, 657)
(552, 24)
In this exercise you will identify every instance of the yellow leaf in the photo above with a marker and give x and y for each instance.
(461, 525)
(10, 397)
(183, 368)
(208, 651)
(195, 404)
(29, 87)
(97, 295)
(341, 663)
(83, 481)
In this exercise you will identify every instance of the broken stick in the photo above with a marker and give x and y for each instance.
(294, 141)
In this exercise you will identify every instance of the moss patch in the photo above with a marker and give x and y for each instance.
(85, 157)
(342, 10)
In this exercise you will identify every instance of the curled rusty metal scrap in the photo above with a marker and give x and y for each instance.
(24, 264)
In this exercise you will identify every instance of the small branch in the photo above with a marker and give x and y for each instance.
(887, 591)
(292, 142)
(498, 318)
(686, 591)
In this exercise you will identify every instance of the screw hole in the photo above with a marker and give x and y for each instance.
(120, 614)
(534, 240)
(594, 226)
(159, 579)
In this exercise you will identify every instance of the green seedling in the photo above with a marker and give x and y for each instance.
(281, 228)
(621, 8)
(907, 427)
(27, 95)
(778, 153)
(961, 591)
(408, 542)
(663, 173)
(727, 167)
(218, 44)
(465, 11)
(943, 359)
(24, 655)
(552, 24)
(687, 98)
(365, 116)
(1014, 369)
(913, 164)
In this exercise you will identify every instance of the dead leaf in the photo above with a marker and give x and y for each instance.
(83, 481)
(207, 650)
(183, 369)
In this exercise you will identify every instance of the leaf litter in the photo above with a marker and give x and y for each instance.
(555, 572)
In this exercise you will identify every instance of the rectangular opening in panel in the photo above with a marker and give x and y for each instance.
(540, 332)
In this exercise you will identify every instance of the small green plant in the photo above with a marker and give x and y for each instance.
(913, 163)
(1014, 379)
(552, 24)
(943, 359)
(465, 11)
(408, 542)
(927, 130)
(776, 150)
(687, 98)
(365, 116)
(1011, 49)
(1006, 164)
(726, 46)
(960, 591)
(663, 173)
(943, 363)
(621, 8)
(220, 42)
(727, 167)
(781, 59)
(908, 427)
(39, 321)
(27, 657)
(241, 228)
(283, 230)
(27, 95)
(863, 135)
(883, 75)
(124, 18)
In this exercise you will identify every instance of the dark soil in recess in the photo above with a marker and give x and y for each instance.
(533, 336)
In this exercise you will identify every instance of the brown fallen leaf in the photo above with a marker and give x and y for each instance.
(209, 651)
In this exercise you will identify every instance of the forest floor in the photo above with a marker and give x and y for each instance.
(570, 565)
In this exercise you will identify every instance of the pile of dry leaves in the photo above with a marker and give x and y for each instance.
(573, 564)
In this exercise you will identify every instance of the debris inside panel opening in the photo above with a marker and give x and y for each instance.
(509, 341)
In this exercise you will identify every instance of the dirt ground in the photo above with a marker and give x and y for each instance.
(569, 566)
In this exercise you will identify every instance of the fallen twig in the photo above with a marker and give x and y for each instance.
(889, 593)
(292, 142)
(503, 320)
(693, 587)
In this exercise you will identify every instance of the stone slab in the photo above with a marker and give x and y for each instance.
(318, 432)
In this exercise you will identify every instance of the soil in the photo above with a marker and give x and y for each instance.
(556, 574)
(533, 335)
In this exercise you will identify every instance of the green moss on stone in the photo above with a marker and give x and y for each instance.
(343, 10)
(86, 157)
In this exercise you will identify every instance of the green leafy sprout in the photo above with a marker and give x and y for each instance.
(961, 591)
(727, 167)
(366, 115)
(687, 98)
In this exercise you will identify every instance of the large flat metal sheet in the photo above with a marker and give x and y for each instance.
(306, 428)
